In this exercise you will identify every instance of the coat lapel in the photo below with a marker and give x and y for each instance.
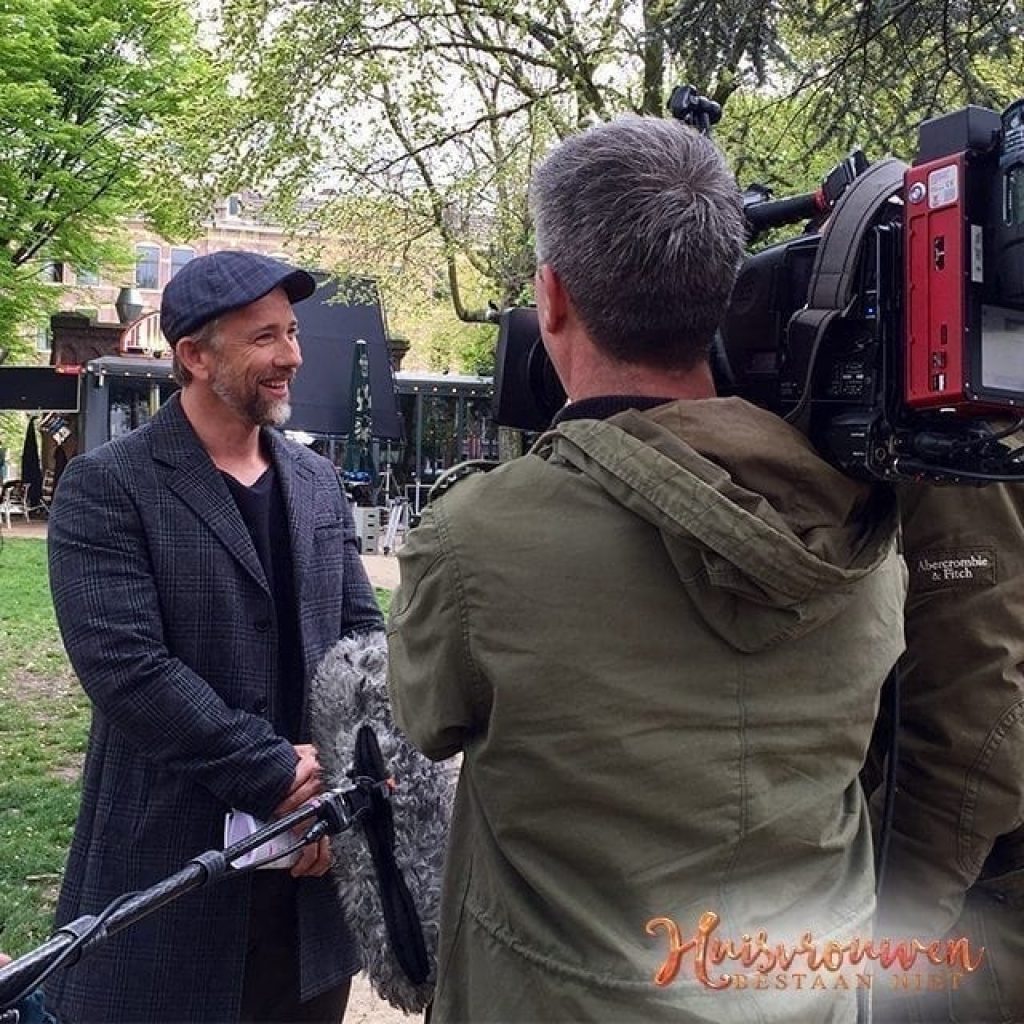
(299, 489)
(197, 482)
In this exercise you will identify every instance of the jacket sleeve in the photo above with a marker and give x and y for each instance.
(107, 606)
(960, 781)
(436, 688)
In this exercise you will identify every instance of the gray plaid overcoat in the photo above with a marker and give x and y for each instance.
(169, 623)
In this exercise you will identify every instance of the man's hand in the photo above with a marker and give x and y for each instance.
(314, 859)
(307, 783)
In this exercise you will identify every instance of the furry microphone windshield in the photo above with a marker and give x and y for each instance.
(387, 870)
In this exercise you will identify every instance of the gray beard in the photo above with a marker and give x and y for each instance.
(257, 411)
(277, 415)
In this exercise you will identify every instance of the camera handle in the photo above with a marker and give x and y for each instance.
(763, 212)
(687, 105)
(332, 812)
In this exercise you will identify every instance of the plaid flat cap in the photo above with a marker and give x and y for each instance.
(209, 286)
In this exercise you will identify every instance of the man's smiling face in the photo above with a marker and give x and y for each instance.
(254, 357)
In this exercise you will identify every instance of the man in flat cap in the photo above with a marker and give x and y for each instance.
(200, 568)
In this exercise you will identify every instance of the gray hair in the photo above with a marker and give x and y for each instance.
(203, 336)
(643, 222)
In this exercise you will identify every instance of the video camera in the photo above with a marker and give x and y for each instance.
(891, 331)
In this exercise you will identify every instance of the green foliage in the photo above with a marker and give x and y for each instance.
(761, 137)
(43, 729)
(429, 119)
(867, 74)
(460, 347)
(424, 312)
(90, 91)
(436, 114)
(12, 436)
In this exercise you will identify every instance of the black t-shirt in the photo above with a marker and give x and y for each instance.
(604, 406)
(262, 507)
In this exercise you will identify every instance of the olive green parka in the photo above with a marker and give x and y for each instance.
(658, 642)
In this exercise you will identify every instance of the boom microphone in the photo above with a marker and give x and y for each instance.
(388, 872)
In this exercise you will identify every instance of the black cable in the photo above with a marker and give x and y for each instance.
(911, 467)
(803, 403)
(892, 762)
(1006, 431)
(980, 442)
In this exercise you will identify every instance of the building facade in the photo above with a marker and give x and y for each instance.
(237, 223)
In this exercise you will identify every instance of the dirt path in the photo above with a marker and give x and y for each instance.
(382, 569)
(366, 1007)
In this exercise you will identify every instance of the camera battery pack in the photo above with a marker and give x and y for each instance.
(944, 269)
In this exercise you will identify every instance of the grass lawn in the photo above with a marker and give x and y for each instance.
(44, 724)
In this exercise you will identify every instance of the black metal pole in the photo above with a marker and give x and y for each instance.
(337, 809)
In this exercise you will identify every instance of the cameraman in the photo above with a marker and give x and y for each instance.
(657, 639)
(955, 863)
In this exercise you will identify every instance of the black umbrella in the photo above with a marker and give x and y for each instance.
(359, 454)
(31, 470)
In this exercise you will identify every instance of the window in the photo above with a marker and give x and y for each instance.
(44, 341)
(439, 436)
(86, 278)
(480, 433)
(52, 273)
(147, 266)
(234, 206)
(180, 255)
(130, 406)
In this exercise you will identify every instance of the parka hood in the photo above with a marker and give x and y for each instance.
(766, 536)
